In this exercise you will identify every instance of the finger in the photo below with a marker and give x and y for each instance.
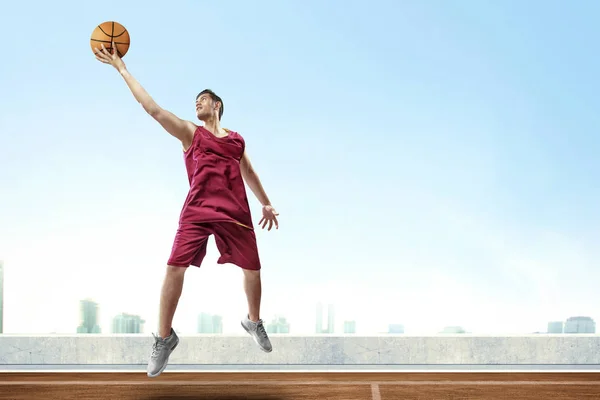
(265, 223)
(261, 221)
(270, 225)
(276, 222)
(114, 47)
(105, 50)
(99, 53)
(102, 60)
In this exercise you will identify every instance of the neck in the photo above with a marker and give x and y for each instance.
(213, 125)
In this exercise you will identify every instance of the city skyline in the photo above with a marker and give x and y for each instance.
(323, 316)
(280, 324)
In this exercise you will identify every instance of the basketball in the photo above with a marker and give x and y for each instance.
(106, 33)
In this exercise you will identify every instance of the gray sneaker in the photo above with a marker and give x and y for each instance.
(161, 350)
(257, 331)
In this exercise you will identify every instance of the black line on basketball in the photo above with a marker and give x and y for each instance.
(108, 41)
(112, 35)
(120, 34)
(99, 27)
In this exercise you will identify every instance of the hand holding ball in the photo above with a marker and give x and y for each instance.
(110, 42)
(108, 33)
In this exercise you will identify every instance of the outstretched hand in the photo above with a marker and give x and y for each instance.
(269, 217)
(103, 55)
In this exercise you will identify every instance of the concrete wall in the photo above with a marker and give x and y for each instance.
(306, 350)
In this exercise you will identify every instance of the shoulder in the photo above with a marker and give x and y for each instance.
(235, 135)
(232, 132)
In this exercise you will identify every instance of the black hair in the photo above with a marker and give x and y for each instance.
(213, 96)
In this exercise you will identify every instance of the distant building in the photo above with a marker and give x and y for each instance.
(349, 327)
(88, 317)
(395, 328)
(127, 323)
(208, 323)
(330, 319)
(555, 327)
(278, 325)
(580, 325)
(453, 329)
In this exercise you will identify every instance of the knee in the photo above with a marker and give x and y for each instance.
(173, 270)
(251, 273)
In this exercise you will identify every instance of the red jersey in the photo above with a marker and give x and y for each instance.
(217, 191)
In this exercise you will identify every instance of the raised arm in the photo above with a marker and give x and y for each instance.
(177, 127)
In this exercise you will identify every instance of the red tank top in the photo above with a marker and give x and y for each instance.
(217, 191)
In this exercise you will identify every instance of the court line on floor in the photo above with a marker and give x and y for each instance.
(375, 394)
(150, 381)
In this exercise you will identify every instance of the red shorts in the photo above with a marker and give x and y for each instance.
(236, 243)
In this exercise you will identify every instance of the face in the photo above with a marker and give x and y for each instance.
(206, 108)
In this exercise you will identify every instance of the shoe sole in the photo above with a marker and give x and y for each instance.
(256, 339)
(160, 371)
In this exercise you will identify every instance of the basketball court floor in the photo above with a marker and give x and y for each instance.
(294, 385)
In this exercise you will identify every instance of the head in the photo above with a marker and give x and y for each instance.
(208, 105)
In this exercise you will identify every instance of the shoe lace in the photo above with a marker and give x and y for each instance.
(158, 345)
(260, 329)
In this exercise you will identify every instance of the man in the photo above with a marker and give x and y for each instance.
(216, 204)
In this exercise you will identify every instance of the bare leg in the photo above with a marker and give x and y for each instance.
(253, 289)
(253, 324)
(169, 298)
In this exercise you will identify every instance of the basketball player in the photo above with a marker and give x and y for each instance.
(217, 166)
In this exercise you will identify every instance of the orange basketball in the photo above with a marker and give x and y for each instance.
(106, 33)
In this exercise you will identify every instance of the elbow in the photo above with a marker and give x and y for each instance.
(249, 175)
(151, 108)
(251, 172)
(153, 111)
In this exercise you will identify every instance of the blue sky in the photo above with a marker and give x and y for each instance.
(435, 162)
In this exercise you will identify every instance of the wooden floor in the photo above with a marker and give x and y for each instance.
(299, 385)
